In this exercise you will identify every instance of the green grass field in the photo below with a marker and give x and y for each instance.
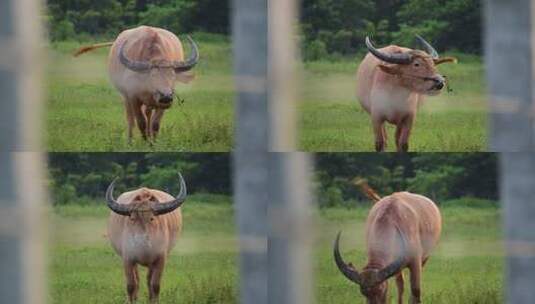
(331, 119)
(86, 113)
(466, 267)
(202, 268)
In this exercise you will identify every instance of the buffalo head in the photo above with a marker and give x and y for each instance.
(144, 206)
(371, 280)
(416, 69)
(162, 74)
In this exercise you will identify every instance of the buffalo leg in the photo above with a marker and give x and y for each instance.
(385, 136)
(378, 129)
(129, 118)
(132, 281)
(140, 118)
(400, 285)
(148, 116)
(416, 270)
(156, 122)
(156, 271)
(405, 134)
(398, 134)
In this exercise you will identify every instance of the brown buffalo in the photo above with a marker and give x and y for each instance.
(401, 231)
(143, 227)
(144, 64)
(391, 84)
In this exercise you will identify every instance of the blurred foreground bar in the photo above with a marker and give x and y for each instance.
(509, 58)
(22, 236)
(249, 34)
(270, 189)
(509, 62)
(518, 196)
(290, 208)
(290, 230)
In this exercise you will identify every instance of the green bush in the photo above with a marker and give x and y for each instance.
(62, 30)
(107, 18)
(174, 17)
(315, 50)
(341, 42)
(64, 194)
(332, 196)
(343, 24)
(439, 176)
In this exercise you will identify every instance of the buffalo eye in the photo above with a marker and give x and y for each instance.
(416, 64)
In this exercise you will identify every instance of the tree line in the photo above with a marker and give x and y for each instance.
(439, 176)
(71, 19)
(340, 26)
(326, 26)
(84, 177)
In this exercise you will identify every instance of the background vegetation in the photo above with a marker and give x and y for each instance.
(79, 177)
(328, 26)
(340, 26)
(78, 19)
(440, 176)
(84, 177)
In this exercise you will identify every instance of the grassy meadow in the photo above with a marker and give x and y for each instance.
(84, 112)
(201, 269)
(331, 119)
(466, 267)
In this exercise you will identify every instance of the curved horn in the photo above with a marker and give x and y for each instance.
(136, 66)
(401, 58)
(347, 271)
(395, 266)
(183, 66)
(427, 47)
(163, 208)
(444, 60)
(112, 203)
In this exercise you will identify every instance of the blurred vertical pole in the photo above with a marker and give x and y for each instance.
(22, 198)
(290, 233)
(509, 60)
(282, 74)
(290, 209)
(249, 27)
(518, 193)
(509, 56)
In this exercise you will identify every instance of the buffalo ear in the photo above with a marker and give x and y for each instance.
(390, 69)
(185, 77)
